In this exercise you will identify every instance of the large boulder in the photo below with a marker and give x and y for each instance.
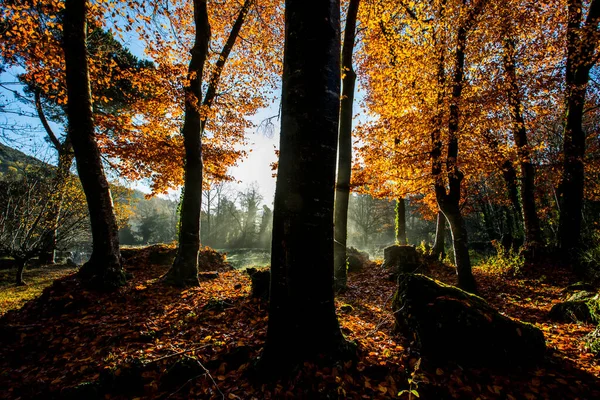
(357, 259)
(449, 324)
(401, 259)
(580, 307)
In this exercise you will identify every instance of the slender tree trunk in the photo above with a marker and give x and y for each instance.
(488, 221)
(344, 170)
(20, 268)
(533, 238)
(184, 271)
(302, 318)
(581, 48)
(438, 251)
(449, 201)
(401, 221)
(185, 267)
(104, 269)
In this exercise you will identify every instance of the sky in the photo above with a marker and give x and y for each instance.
(256, 167)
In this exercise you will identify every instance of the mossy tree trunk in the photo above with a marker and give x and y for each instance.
(104, 269)
(302, 319)
(344, 169)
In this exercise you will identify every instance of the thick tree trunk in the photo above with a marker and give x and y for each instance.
(581, 47)
(438, 251)
(533, 238)
(20, 268)
(104, 269)
(344, 170)
(302, 319)
(400, 211)
(184, 271)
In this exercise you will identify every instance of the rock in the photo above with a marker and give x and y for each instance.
(449, 324)
(357, 260)
(261, 279)
(71, 263)
(207, 276)
(580, 307)
(401, 259)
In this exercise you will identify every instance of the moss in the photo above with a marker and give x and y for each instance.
(580, 307)
(448, 323)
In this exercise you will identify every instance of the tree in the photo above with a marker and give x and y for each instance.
(25, 206)
(184, 271)
(344, 169)
(582, 41)
(104, 268)
(302, 319)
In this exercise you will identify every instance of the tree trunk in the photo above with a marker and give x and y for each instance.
(449, 200)
(184, 271)
(401, 221)
(581, 48)
(104, 269)
(438, 251)
(460, 242)
(20, 268)
(302, 319)
(533, 238)
(344, 170)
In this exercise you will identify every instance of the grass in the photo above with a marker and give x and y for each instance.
(13, 296)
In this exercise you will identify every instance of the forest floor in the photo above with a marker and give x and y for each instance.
(138, 343)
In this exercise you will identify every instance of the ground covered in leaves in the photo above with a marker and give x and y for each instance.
(152, 341)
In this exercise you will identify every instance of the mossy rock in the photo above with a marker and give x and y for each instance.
(401, 259)
(580, 307)
(357, 259)
(449, 324)
(592, 342)
(261, 279)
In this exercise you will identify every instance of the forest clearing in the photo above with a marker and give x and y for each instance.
(313, 199)
(73, 343)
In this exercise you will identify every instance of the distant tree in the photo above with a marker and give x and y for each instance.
(302, 319)
(25, 204)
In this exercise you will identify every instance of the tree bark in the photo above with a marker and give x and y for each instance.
(344, 169)
(185, 267)
(449, 200)
(302, 319)
(20, 268)
(400, 210)
(533, 238)
(184, 271)
(581, 48)
(438, 251)
(104, 269)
